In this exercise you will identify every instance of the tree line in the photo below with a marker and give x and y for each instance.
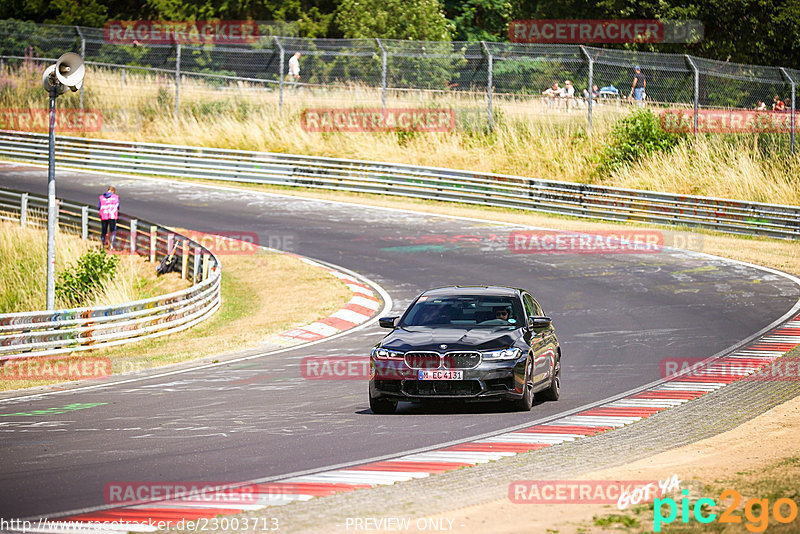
(765, 32)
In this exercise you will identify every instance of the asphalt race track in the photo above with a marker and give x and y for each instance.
(617, 317)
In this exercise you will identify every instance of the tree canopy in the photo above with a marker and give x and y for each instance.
(765, 32)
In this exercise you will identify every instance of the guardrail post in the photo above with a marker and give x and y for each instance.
(134, 224)
(177, 78)
(185, 259)
(23, 210)
(84, 222)
(591, 94)
(489, 83)
(793, 124)
(196, 266)
(696, 91)
(281, 76)
(205, 266)
(383, 75)
(153, 241)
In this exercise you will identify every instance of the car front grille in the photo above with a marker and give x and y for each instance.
(461, 360)
(450, 360)
(423, 360)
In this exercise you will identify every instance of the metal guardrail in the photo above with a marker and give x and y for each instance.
(44, 333)
(565, 198)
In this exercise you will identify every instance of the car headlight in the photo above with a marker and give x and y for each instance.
(385, 354)
(504, 354)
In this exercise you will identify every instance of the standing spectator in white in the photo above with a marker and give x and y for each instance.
(108, 206)
(294, 67)
(568, 93)
(638, 85)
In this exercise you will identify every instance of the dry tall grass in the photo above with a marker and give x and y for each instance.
(23, 270)
(527, 140)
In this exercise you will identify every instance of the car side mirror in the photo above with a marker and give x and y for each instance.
(387, 322)
(535, 322)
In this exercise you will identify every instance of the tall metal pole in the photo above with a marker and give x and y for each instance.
(792, 118)
(383, 76)
(280, 74)
(177, 78)
(83, 54)
(696, 92)
(490, 83)
(794, 107)
(52, 214)
(591, 94)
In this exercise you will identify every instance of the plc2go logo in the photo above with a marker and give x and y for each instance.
(756, 511)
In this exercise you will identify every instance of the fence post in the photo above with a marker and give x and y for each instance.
(196, 269)
(794, 86)
(205, 266)
(185, 259)
(591, 85)
(281, 75)
(153, 238)
(134, 224)
(383, 75)
(489, 72)
(83, 55)
(696, 91)
(23, 210)
(84, 222)
(177, 78)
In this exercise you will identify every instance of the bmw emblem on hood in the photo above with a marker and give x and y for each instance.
(443, 346)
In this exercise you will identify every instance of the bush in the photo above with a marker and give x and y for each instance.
(635, 137)
(77, 283)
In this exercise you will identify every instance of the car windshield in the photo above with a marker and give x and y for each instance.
(480, 311)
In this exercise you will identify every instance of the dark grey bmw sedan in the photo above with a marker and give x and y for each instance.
(468, 343)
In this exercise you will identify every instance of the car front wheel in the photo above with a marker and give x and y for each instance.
(552, 393)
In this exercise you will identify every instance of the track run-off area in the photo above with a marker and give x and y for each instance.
(618, 317)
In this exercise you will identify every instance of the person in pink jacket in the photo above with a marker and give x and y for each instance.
(109, 213)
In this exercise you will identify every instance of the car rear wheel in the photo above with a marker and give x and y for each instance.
(552, 393)
(382, 406)
(525, 403)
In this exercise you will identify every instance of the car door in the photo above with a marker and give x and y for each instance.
(542, 343)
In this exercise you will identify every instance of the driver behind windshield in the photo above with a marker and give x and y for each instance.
(501, 313)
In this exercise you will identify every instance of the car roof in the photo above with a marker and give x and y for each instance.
(473, 290)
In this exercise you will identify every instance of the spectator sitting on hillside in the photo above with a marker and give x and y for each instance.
(594, 95)
(778, 104)
(552, 94)
(761, 106)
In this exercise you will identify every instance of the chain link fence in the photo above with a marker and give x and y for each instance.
(478, 79)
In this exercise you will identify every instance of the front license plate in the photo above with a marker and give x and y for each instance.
(437, 374)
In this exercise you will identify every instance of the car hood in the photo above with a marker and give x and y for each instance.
(422, 338)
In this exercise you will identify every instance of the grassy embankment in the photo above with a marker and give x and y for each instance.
(526, 141)
(255, 299)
